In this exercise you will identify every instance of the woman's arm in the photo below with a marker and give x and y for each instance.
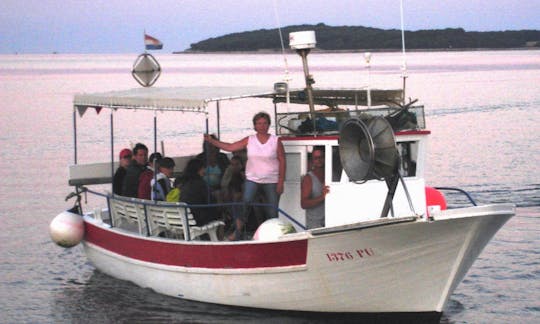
(229, 147)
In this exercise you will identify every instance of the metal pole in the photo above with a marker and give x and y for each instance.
(206, 153)
(391, 183)
(155, 132)
(218, 119)
(155, 165)
(275, 117)
(404, 65)
(74, 134)
(112, 152)
(309, 81)
(367, 57)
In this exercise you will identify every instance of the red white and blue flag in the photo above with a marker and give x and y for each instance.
(152, 43)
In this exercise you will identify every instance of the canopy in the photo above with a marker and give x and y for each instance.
(177, 99)
(197, 98)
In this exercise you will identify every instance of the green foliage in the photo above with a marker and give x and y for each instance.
(361, 38)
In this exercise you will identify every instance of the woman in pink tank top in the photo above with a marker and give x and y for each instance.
(265, 168)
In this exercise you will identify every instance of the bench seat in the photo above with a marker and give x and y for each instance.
(172, 220)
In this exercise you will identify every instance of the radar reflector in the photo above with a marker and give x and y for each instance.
(146, 70)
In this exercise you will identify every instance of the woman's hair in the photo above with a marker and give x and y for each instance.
(191, 171)
(259, 115)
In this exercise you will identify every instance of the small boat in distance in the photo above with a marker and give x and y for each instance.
(390, 245)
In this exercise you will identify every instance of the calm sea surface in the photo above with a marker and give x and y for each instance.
(483, 109)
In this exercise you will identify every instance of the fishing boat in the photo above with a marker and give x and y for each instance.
(390, 244)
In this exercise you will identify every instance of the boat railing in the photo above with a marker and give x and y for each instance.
(329, 121)
(461, 193)
(169, 219)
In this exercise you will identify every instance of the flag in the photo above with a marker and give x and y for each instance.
(152, 43)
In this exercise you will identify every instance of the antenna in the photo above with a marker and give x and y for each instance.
(367, 57)
(302, 42)
(404, 63)
(287, 78)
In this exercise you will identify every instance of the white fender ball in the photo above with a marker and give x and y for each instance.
(272, 229)
(67, 229)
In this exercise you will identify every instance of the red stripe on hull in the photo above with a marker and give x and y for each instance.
(278, 254)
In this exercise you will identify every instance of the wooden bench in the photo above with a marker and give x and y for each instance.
(172, 220)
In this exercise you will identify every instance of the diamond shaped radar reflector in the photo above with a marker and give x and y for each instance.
(146, 70)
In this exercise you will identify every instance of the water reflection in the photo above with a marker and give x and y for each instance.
(103, 299)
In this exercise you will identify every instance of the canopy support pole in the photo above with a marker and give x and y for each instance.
(155, 165)
(206, 153)
(155, 132)
(218, 121)
(75, 134)
(112, 152)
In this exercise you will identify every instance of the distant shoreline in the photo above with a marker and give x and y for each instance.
(364, 50)
(346, 39)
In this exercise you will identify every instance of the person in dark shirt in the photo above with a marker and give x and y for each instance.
(118, 179)
(134, 170)
(195, 192)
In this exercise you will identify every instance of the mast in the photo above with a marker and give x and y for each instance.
(404, 62)
(302, 42)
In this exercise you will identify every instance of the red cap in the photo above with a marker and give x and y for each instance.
(125, 152)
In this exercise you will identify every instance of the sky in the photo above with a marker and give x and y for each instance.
(117, 26)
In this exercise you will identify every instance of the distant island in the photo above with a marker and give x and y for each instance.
(352, 38)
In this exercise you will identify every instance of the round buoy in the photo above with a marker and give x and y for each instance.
(272, 229)
(434, 199)
(67, 229)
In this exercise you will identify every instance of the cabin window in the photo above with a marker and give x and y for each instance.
(408, 151)
(294, 162)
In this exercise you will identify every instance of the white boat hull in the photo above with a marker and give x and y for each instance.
(403, 267)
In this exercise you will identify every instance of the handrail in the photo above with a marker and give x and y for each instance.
(185, 205)
(461, 191)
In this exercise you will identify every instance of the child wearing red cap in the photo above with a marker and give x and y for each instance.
(118, 179)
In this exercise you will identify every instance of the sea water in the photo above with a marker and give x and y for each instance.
(482, 107)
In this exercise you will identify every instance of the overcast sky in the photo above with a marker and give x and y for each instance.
(117, 26)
